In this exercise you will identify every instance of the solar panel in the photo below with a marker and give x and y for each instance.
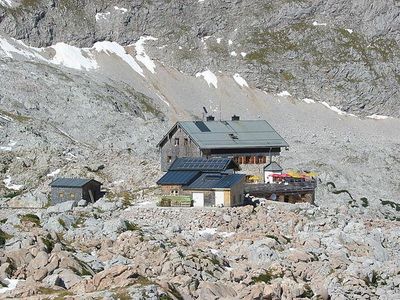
(200, 164)
(203, 127)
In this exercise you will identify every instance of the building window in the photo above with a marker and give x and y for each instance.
(61, 194)
(176, 141)
(174, 192)
(247, 160)
(186, 141)
(72, 196)
(169, 159)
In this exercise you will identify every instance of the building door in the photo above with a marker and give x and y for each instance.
(219, 198)
(198, 199)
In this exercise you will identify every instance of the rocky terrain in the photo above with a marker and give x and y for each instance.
(279, 251)
(88, 89)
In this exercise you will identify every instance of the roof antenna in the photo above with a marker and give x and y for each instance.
(205, 112)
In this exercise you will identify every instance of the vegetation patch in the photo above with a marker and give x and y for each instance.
(49, 243)
(392, 204)
(31, 218)
(3, 237)
(60, 294)
(132, 226)
(266, 277)
(12, 194)
(365, 202)
(15, 117)
(308, 293)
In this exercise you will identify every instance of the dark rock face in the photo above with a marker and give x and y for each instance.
(345, 53)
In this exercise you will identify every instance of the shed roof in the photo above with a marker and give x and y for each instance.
(209, 181)
(273, 166)
(71, 182)
(230, 134)
(178, 177)
(203, 164)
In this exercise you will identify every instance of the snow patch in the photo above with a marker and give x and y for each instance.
(243, 54)
(214, 251)
(8, 147)
(124, 10)
(315, 23)
(209, 77)
(8, 49)
(117, 49)
(72, 57)
(207, 231)
(230, 42)
(336, 110)
(102, 16)
(284, 94)
(54, 173)
(12, 283)
(378, 117)
(349, 30)
(240, 81)
(10, 186)
(308, 100)
(226, 234)
(141, 54)
(219, 40)
(233, 53)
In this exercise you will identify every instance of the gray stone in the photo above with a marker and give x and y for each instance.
(62, 207)
(82, 203)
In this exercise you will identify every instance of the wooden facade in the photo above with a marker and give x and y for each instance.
(179, 144)
(233, 196)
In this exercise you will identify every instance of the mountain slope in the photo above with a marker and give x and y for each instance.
(345, 53)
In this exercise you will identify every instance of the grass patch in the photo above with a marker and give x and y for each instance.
(392, 204)
(174, 292)
(365, 202)
(132, 226)
(12, 194)
(266, 277)
(49, 243)
(273, 237)
(19, 118)
(79, 222)
(3, 237)
(31, 218)
(60, 294)
(308, 293)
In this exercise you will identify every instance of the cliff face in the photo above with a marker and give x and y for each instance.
(343, 52)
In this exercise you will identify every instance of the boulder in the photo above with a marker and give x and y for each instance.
(62, 207)
(82, 203)
(217, 290)
(68, 278)
(34, 199)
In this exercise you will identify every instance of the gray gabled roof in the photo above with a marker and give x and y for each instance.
(273, 166)
(213, 164)
(230, 134)
(209, 181)
(71, 182)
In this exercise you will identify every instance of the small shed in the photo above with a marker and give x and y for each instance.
(271, 169)
(68, 189)
(212, 189)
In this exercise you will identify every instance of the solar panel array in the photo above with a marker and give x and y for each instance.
(200, 164)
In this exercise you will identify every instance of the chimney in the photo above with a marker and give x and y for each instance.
(210, 118)
(235, 118)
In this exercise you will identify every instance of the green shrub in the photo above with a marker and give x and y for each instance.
(3, 237)
(30, 218)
